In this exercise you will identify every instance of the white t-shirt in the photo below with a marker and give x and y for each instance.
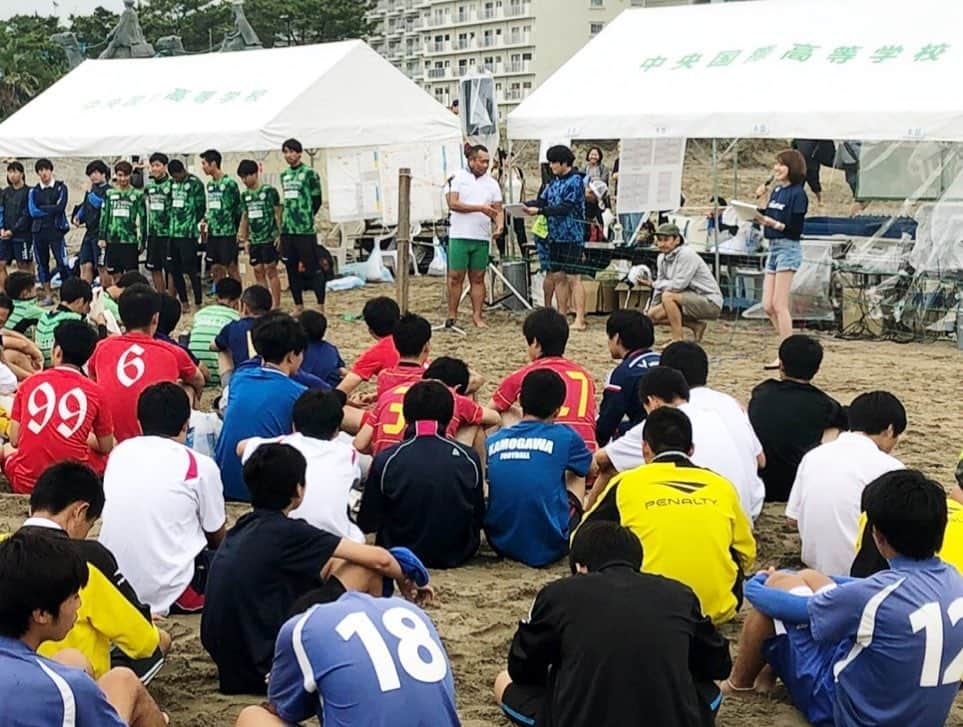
(333, 483)
(162, 497)
(473, 190)
(826, 496)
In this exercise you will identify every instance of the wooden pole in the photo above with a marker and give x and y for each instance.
(403, 237)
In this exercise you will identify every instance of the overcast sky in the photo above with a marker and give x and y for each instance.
(65, 10)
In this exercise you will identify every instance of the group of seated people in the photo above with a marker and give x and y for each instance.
(652, 495)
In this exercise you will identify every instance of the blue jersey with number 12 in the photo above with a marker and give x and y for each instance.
(364, 662)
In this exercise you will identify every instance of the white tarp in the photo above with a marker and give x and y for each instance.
(815, 69)
(333, 95)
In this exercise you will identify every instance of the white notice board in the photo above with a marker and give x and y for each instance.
(650, 174)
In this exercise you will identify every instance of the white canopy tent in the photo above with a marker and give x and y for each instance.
(334, 95)
(818, 69)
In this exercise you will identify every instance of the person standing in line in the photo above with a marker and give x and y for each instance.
(15, 243)
(223, 216)
(47, 203)
(188, 207)
(123, 223)
(260, 228)
(88, 214)
(158, 191)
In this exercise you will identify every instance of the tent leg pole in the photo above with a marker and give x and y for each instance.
(715, 205)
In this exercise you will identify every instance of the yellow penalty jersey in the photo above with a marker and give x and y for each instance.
(691, 525)
(952, 550)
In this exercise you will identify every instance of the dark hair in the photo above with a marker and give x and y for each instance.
(247, 167)
(633, 328)
(163, 410)
(257, 299)
(909, 510)
(594, 148)
(176, 166)
(76, 341)
(315, 324)
(381, 314)
(97, 166)
(292, 145)
(5, 302)
(227, 289)
(275, 335)
(74, 289)
(130, 278)
(429, 401)
(411, 334)
(796, 163)
(319, 413)
(689, 358)
(169, 314)
(158, 157)
(664, 383)
(18, 283)
(560, 153)
(212, 156)
(63, 484)
(549, 328)
(38, 573)
(123, 167)
(800, 356)
(43, 164)
(15, 167)
(874, 411)
(543, 393)
(668, 429)
(272, 474)
(601, 543)
(452, 372)
(137, 306)
(473, 151)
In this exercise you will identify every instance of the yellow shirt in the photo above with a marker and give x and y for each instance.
(691, 525)
(952, 550)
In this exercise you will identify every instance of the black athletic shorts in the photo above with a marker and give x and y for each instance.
(565, 257)
(222, 250)
(301, 252)
(263, 254)
(157, 252)
(184, 255)
(523, 704)
(121, 257)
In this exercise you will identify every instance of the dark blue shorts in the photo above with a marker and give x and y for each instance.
(90, 253)
(20, 251)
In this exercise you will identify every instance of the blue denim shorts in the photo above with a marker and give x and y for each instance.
(784, 256)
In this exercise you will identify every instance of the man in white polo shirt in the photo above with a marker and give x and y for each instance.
(825, 499)
(475, 200)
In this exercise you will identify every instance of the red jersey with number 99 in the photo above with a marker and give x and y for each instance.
(57, 410)
(388, 419)
(578, 411)
(126, 365)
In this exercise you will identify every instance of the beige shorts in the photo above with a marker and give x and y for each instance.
(698, 307)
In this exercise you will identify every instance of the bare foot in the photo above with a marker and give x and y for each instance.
(698, 329)
(579, 325)
(479, 323)
(772, 366)
(766, 681)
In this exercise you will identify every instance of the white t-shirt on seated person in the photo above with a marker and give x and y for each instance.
(162, 497)
(826, 498)
(473, 190)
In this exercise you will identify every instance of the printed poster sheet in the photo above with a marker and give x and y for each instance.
(650, 174)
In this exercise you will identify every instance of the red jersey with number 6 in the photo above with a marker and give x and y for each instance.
(578, 411)
(57, 410)
(388, 419)
(126, 365)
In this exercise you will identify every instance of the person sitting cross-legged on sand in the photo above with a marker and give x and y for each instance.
(874, 651)
(688, 518)
(536, 477)
(234, 344)
(643, 639)
(412, 339)
(359, 656)
(40, 582)
(685, 293)
(427, 492)
(381, 315)
(321, 357)
(210, 320)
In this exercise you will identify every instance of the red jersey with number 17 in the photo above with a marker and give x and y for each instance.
(388, 419)
(578, 411)
(126, 365)
(56, 409)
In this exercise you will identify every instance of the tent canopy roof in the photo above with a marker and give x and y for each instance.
(330, 95)
(819, 69)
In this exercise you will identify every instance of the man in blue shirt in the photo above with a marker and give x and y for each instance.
(261, 396)
(883, 650)
(235, 338)
(40, 581)
(536, 477)
(631, 336)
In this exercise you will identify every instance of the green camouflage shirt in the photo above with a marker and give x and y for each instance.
(300, 185)
(47, 325)
(158, 207)
(187, 206)
(223, 207)
(259, 204)
(123, 218)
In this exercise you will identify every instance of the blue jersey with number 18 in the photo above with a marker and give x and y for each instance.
(364, 662)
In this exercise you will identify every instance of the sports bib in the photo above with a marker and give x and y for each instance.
(177, 203)
(214, 204)
(254, 214)
(158, 205)
(290, 194)
(121, 212)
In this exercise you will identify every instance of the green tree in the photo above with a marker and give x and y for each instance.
(91, 30)
(302, 22)
(29, 60)
(199, 23)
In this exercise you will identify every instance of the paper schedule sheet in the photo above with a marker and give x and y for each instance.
(650, 174)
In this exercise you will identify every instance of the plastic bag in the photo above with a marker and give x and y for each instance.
(347, 282)
(372, 270)
(439, 260)
(540, 226)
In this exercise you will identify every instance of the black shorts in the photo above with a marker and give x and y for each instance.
(565, 257)
(222, 250)
(301, 252)
(184, 255)
(121, 257)
(523, 704)
(263, 254)
(157, 252)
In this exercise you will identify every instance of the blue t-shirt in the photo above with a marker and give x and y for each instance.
(784, 202)
(363, 661)
(323, 360)
(621, 409)
(528, 511)
(38, 692)
(566, 192)
(236, 338)
(260, 402)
